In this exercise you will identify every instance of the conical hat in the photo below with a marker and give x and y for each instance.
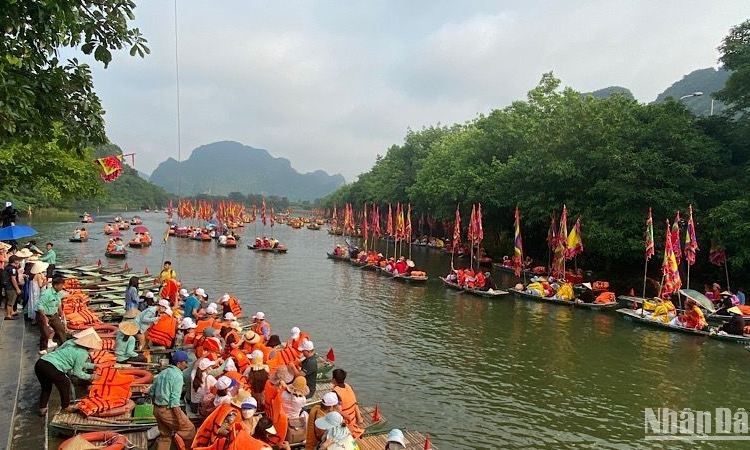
(128, 328)
(132, 313)
(86, 332)
(79, 443)
(92, 341)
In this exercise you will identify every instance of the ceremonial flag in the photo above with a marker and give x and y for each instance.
(364, 224)
(273, 216)
(675, 235)
(717, 255)
(400, 228)
(253, 213)
(472, 229)
(518, 247)
(457, 231)
(111, 167)
(376, 232)
(691, 243)
(575, 242)
(649, 236)
(407, 229)
(558, 262)
(389, 222)
(478, 230)
(263, 212)
(669, 267)
(552, 233)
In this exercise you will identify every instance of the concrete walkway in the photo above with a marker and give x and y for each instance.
(20, 426)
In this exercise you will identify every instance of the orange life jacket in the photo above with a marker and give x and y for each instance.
(103, 357)
(170, 290)
(235, 340)
(241, 360)
(295, 343)
(163, 331)
(605, 297)
(208, 433)
(203, 324)
(257, 327)
(234, 305)
(349, 409)
(237, 376)
(278, 417)
(111, 390)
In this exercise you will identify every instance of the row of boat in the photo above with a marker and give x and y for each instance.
(414, 278)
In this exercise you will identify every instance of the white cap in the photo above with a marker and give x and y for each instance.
(168, 311)
(164, 303)
(330, 399)
(229, 316)
(8, 204)
(224, 298)
(306, 346)
(212, 309)
(259, 315)
(201, 293)
(183, 292)
(149, 294)
(256, 354)
(205, 363)
(187, 323)
(223, 382)
(295, 332)
(230, 366)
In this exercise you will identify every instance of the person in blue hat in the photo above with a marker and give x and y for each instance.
(165, 393)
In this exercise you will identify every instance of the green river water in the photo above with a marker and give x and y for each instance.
(473, 373)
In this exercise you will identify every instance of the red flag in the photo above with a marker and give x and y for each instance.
(457, 230)
(427, 443)
(717, 255)
(389, 222)
(479, 234)
(99, 263)
(263, 212)
(649, 236)
(632, 292)
(330, 356)
(145, 270)
(691, 243)
(670, 269)
(675, 234)
(518, 247)
(552, 234)
(111, 167)
(273, 216)
(407, 229)
(376, 415)
(471, 232)
(558, 261)
(364, 224)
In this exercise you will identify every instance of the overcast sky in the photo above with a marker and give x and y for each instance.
(331, 84)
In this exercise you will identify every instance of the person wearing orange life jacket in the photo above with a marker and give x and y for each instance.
(261, 326)
(401, 266)
(282, 355)
(170, 290)
(164, 330)
(200, 340)
(461, 276)
(479, 280)
(230, 304)
(187, 329)
(231, 334)
(296, 337)
(349, 407)
(217, 429)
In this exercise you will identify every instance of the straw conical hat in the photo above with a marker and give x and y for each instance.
(128, 328)
(92, 341)
(86, 332)
(132, 313)
(79, 443)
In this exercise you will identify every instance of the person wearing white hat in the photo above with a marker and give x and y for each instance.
(212, 309)
(296, 338)
(330, 402)
(53, 368)
(261, 326)
(395, 440)
(36, 283)
(201, 382)
(192, 305)
(309, 366)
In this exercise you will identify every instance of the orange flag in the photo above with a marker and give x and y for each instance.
(330, 356)
(427, 443)
(376, 415)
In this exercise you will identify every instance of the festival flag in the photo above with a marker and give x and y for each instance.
(253, 213)
(479, 231)
(649, 236)
(272, 217)
(111, 167)
(669, 267)
(400, 227)
(675, 235)
(575, 242)
(364, 224)
(457, 231)
(552, 233)
(518, 247)
(558, 262)
(691, 243)
(471, 231)
(330, 356)
(717, 255)
(263, 212)
(375, 224)
(407, 229)
(389, 222)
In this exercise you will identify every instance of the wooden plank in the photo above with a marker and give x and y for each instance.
(414, 440)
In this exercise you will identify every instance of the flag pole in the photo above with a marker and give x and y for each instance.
(645, 272)
(726, 271)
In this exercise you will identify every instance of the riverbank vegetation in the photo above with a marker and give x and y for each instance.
(608, 160)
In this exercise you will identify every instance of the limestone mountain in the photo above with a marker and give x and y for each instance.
(223, 167)
(705, 81)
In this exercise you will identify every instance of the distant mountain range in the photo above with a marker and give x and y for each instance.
(223, 167)
(703, 81)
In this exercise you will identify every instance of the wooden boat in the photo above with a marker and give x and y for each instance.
(526, 296)
(278, 249)
(336, 257)
(404, 278)
(228, 244)
(634, 302)
(363, 265)
(79, 239)
(494, 293)
(313, 226)
(116, 254)
(136, 220)
(140, 244)
(632, 315)
(414, 440)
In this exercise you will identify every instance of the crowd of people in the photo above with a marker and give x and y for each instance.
(471, 279)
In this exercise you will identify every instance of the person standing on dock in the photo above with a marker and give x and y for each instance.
(167, 273)
(48, 313)
(50, 258)
(166, 391)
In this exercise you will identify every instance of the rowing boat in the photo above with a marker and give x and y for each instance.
(279, 249)
(633, 315)
(116, 254)
(492, 293)
(527, 296)
(404, 278)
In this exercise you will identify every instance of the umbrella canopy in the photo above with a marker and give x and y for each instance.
(702, 300)
(14, 232)
(140, 229)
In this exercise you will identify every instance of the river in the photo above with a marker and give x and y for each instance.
(473, 373)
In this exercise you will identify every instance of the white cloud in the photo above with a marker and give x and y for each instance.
(329, 85)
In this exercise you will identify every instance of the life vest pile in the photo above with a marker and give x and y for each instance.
(111, 390)
(77, 313)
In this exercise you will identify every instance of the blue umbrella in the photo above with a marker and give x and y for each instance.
(14, 232)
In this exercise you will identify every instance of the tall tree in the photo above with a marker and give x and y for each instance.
(735, 55)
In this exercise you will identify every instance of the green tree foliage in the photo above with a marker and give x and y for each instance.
(37, 89)
(735, 56)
